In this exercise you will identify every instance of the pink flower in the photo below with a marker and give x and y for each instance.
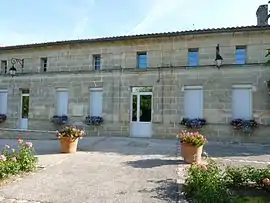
(266, 181)
(20, 141)
(14, 159)
(29, 144)
(7, 146)
(3, 157)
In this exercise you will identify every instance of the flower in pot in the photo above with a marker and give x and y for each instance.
(69, 137)
(192, 146)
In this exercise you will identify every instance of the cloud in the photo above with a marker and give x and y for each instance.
(159, 9)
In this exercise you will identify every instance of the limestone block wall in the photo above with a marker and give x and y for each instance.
(162, 51)
(168, 100)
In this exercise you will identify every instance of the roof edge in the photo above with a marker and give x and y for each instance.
(140, 36)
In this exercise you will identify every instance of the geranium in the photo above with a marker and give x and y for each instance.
(3, 157)
(29, 144)
(193, 123)
(192, 138)
(71, 132)
(244, 124)
(266, 181)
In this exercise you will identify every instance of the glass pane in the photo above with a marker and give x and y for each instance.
(142, 89)
(134, 108)
(145, 108)
(25, 106)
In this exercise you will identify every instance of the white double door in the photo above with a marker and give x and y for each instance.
(141, 114)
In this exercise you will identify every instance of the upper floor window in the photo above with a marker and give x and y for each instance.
(240, 54)
(44, 63)
(4, 66)
(97, 61)
(193, 57)
(142, 60)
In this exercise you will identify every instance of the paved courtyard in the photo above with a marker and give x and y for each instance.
(115, 170)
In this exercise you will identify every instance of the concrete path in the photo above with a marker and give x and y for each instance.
(115, 170)
(104, 170)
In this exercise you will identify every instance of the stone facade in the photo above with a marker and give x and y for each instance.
(71, 66)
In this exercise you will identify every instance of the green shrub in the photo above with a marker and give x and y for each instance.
(15, 161)
(209, 183)
(205, 184)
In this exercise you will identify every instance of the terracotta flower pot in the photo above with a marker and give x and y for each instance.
(191, 154)
(68, 145)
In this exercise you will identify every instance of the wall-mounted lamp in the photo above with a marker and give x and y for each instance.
(14, 61)
(219, 58)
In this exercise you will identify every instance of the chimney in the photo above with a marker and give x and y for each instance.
(262, 15)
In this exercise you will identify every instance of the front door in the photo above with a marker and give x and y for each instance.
(141, 112)
(24, 110)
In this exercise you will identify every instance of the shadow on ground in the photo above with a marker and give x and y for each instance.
(167, 190)
(151, 163)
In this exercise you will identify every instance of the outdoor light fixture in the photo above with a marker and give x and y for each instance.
(13, 70)
(219, 58)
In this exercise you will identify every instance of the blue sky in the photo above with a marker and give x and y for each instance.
(32, 21)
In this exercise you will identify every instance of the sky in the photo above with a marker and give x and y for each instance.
(34, 21)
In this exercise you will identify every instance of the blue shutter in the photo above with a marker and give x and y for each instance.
(142, 60)
(240, 56)
(193, 58)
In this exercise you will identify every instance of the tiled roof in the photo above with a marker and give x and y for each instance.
(141, 36)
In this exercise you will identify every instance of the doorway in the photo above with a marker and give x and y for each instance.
(24, 110)
(141, 112)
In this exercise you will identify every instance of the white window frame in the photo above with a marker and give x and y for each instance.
(247, 87)
(59, 111)
(97, 89)
(3, 110)
(185, 88)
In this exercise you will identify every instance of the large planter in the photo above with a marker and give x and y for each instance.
(68, 145)
(191, 154)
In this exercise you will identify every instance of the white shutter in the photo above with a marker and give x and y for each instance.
(96, 102)
(242, 103)
(62, 103)
(193, 103)
(3, 102)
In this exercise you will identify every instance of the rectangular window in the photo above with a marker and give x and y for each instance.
(97, 61)
(142, 60)
(44, 63)
(193, 102)
(96, 102)
(242, 102)
(3, 102)
(193, 57)
(62, 102)
(4, 66)
(25, 103)
(240, 54)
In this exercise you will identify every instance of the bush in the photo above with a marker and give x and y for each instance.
(209, 183)
(205, 184)
(15, 161)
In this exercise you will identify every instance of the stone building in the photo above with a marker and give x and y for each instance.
(141, 85)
